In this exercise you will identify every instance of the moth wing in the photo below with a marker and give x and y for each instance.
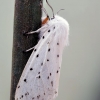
(54, 59)
(33, 83)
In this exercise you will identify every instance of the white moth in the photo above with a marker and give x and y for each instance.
(40, 77)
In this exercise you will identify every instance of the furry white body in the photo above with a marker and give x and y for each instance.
(40, 77)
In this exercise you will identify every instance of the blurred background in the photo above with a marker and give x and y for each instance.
(80, 73)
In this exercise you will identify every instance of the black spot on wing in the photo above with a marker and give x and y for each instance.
(43, 37)
(22, 96)
(50, 74)
(25, 80)
(47, 59)
(18, 86)
(54, 27)
(48, 49)
(57, 71)
(57, 43)
(39, 76)
(52, 83)
(33, 98)
(37, 55)
(55, 92)
(48, 77)
(26, 93)
(31, 69)
(41, 64)
(38, 96)
(48, 30)
(57, 55)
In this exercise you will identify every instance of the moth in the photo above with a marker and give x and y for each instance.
(40, 77)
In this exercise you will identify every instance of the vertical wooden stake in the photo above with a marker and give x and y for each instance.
(27, 18)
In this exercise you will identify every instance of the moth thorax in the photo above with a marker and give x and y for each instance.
(45, 20)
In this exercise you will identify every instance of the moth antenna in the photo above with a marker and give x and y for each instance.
(44, 10)
(60, 10)
(51, 8)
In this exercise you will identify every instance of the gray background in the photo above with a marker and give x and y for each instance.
(80, 67)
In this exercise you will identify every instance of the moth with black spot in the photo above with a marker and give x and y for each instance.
(40, 77)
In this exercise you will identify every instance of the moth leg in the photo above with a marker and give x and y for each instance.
(28, 50)
(38, 30)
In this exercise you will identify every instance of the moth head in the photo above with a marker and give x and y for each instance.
(45, 20)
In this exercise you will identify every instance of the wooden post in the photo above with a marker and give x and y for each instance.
(27, 18)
